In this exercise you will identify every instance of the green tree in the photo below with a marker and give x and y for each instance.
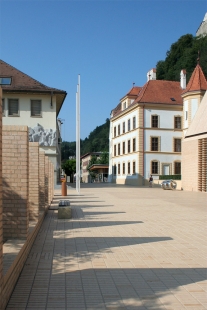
(103, 159)
(183, 54)
(69, 166)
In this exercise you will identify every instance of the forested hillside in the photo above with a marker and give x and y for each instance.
(97, 141)
(183, 54)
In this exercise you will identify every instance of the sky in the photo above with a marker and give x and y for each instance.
(110, 43)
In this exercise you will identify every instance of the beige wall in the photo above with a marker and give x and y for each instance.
(190, 164)
(1, 209)
(24, 183)
(15, 174)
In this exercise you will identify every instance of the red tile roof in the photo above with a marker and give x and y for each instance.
(160, 91)
(22, 81)
(197, 81)
(155, 91)
(134, 91)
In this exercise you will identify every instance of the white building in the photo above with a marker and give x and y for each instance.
(29, 102)
(146, 132)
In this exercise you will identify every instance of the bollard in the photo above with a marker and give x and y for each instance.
(64, 189)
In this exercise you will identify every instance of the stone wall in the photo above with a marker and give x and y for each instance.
(1, 208)
(27, 190)
(15, 174)
(34, 181)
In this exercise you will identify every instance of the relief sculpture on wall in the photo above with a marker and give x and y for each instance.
(45, 137)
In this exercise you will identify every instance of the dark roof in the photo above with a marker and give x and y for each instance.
(22, 82)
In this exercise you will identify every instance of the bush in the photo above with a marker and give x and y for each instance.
(169, 177)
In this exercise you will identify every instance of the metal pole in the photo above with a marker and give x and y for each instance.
(78, 136)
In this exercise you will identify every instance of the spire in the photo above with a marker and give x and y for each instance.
(197, 81)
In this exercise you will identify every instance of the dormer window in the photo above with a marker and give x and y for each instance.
(5, 80)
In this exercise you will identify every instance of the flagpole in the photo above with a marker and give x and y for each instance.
(78, 137)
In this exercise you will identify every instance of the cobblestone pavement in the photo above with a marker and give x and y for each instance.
(125, 248)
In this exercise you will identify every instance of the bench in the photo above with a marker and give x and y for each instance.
(64, 210)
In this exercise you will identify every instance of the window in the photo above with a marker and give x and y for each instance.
(177, 122)
(154, 167)
(118, 130)
(119, 149)
(134, 170)
(155, 121)
(114, 150)
(123, 147)
(13, 107)
(128, 146)
(128, 124)
(128, 167)
(5, 81)
(186, 115)
(123, 127)
(123, 168)
(154, 143)
(134, 122)
(134, 145)
(114, 169)
(36, 108)
(177, 145)
(114, 131)
(118, 168)
(3, 108)
(177, 167)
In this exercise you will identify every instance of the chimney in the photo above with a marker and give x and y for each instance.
(183, 79)
(151, 75)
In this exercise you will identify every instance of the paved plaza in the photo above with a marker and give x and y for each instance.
(124, 248)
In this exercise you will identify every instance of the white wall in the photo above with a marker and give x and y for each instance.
(48, 119)
(194, 107)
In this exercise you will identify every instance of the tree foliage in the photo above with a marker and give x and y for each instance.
(97, 141)
(69, 166)
(183, 54)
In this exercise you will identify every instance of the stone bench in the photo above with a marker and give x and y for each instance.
(64, 210)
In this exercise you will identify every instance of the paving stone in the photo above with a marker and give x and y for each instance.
(124, 248)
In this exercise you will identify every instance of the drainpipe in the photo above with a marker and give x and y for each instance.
(143, 146)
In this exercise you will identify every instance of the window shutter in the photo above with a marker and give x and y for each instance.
(13, 107)
(35, 107)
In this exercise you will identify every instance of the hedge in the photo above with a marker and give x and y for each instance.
(169, 177)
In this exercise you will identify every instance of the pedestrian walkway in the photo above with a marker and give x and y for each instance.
(124, 248)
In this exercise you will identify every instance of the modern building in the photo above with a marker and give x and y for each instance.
(194, 146)
(146, 132)
(28, 102)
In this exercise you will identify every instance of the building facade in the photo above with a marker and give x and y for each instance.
(146, 132)
(194, 146)
(85, 159)
(29, 102)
